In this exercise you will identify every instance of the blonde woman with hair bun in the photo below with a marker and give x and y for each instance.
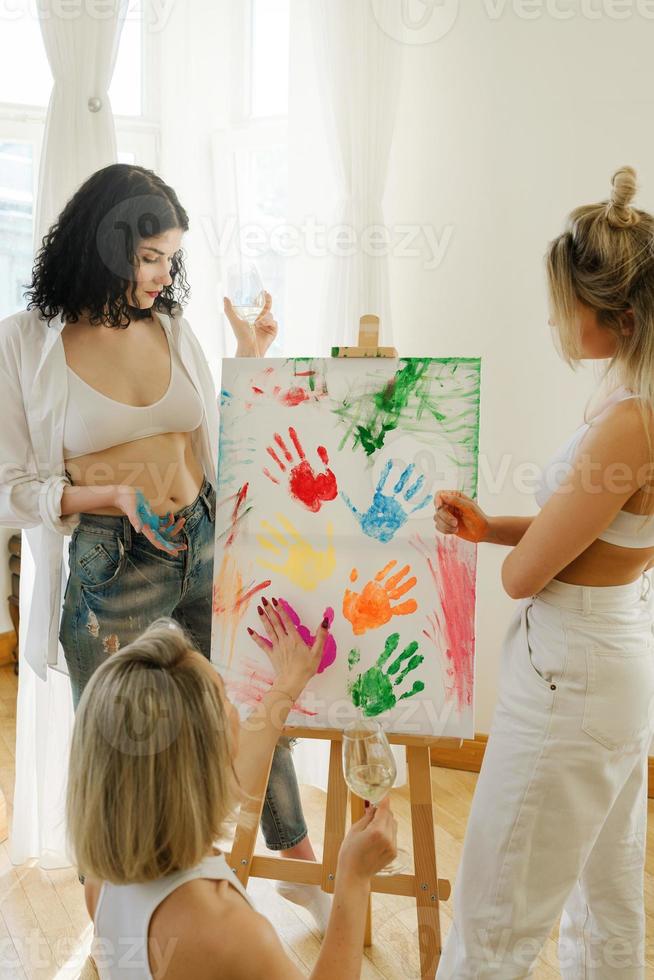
(557, 826)
(159, 762)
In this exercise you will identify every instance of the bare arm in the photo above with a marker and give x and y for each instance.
(456, 513)
(295, 664)
(368, 846)
(506, 530)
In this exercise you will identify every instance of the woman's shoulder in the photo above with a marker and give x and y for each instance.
(22, 326)
(214, 926)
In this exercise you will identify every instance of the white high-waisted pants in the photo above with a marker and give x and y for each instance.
(558, 819)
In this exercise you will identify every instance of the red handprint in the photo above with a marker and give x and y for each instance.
(309, 488)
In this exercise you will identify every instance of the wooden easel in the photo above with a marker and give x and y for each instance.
(423, 884)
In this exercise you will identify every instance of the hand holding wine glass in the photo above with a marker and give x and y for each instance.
(249, 310)
(370, 772)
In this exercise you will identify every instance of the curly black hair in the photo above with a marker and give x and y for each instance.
(87, 260)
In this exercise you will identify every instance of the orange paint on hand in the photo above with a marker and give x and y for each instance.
(473, 525)
(371, 608)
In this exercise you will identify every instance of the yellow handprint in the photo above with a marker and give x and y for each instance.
(304, 566)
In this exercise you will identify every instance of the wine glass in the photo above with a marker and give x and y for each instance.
(244, 287)
(370, 771)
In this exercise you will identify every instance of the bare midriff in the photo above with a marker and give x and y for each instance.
(164, 467)
(610, 564)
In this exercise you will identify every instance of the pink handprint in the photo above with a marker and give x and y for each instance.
(329, 650)
(309, 488)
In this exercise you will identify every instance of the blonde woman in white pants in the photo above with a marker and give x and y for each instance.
(558, 820)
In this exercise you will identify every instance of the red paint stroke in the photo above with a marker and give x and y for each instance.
(329, 650)
(454, 577)
(294, 396)
(257, 391)
(282, 445)
(271, 452)
(270, 476)
(304, 374)
(241, 497)
(238, 598)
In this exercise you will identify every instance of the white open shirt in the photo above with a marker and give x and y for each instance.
(34, 391)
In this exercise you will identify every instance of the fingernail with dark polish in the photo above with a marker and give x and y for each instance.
(274, 602)
(264, 600)
(260, 610)
(250, 631)
(325, 623)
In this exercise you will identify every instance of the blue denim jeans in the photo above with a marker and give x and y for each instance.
(119, 583)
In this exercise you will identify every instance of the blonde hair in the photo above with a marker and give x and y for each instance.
(151, 783)
(605, 259)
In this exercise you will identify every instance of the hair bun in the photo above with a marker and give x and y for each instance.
(619, 212)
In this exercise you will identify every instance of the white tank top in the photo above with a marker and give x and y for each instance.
(625, 529)
(123, 914)
(95, 422)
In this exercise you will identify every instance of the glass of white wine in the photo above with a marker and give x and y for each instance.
(370, 771)
(244, 287)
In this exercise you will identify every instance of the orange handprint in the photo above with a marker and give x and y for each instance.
(372, 607)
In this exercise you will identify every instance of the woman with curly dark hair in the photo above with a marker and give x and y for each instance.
(110, 434)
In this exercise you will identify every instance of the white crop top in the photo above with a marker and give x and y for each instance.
(95, 422)
(123, 914)
(625, 529)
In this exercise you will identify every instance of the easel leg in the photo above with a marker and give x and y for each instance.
(424, 857)
(357, 809)
(334, 817)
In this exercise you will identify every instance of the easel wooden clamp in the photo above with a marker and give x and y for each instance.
(423, 883)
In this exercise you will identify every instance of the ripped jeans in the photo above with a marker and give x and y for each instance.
(119, 583)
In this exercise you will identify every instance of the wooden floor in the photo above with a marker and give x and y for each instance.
(45, 932)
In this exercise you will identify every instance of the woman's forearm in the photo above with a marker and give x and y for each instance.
(258, 736)
(79, 500)
(341, 953)
(506, 530)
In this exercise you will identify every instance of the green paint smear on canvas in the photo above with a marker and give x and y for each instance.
(353, 658)
(373, 692)
(425, 394)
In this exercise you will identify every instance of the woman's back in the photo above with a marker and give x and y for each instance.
(142, 929)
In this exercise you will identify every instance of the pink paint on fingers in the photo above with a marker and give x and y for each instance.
(329, 650)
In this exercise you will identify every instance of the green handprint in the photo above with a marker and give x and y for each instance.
(373, 691)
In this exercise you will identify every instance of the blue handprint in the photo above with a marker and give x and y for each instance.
(386, 512)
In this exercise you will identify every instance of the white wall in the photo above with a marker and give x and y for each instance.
(504, 126)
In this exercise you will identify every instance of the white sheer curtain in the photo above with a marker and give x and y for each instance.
(354, 77)
(359, 70)
(79, 139)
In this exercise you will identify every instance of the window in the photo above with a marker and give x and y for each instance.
(269, 33)
(24, 97)
(16, 210)
(23, 43)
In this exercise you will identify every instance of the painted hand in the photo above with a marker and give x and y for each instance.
(371, 607)
(387, 513)
(305, 486)
(158, 530)
(305, 566)
(373, 691)
(456, 513)
(329, 650)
